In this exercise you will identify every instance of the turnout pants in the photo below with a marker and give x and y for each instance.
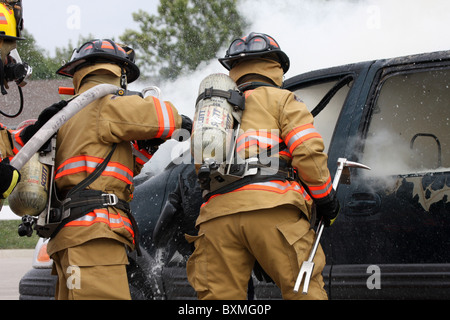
(226, 248)
(95, 270)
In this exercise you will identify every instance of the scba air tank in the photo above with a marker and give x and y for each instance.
(31, 193)
(213, 120)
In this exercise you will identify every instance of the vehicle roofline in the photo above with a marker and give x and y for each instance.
(435, 56)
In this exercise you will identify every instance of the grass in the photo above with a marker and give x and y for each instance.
(10, 239)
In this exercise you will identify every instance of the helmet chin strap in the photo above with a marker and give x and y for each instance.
(2, 70)
(123, 79)
(2, 78)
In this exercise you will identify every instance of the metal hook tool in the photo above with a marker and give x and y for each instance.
(307, 267)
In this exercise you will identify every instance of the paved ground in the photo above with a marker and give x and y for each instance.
(13, 266)
(7, 214)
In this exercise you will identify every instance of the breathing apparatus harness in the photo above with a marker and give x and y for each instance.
(222, 178)
(79, 201)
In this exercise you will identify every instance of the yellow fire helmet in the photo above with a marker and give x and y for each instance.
(9, 26)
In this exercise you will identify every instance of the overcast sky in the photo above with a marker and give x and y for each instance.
(54, 22)
(312, 32)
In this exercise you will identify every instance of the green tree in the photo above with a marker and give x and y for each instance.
(183, 34)
(43, 66)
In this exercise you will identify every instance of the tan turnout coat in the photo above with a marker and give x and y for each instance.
(274, 118)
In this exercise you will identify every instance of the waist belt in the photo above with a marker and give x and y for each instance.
(285, 172)
(80, 201)
(94, 199)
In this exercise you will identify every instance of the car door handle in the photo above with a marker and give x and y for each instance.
(364, 203)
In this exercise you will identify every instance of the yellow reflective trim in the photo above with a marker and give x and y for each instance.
(14, 181)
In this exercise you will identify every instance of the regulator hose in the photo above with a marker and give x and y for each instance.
(20, 108)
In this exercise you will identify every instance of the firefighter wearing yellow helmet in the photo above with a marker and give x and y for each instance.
(11, 24)
(13, 69)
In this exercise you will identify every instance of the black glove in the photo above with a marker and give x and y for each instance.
(151, 146)
(186, 123)
(45, 115)
(328, 211)
(9, 177)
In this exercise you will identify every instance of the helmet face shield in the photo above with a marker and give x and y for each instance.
(254, 45)
(257, 43)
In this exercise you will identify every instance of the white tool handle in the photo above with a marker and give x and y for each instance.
(320, 226)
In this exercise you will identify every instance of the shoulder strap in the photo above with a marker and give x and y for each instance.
(94, 175)
(255, 84)
(233, 97)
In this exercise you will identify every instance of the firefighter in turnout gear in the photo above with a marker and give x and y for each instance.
(91, 244)
(11, 25)
(266, 221)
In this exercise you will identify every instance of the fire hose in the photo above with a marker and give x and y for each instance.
(52, 126)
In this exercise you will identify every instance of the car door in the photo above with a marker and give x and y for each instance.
(392, 238)
(327, 93)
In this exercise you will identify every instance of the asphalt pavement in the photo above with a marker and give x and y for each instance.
(13, 266)
(7, 214)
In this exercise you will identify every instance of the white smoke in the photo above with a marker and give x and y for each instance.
(319, 34)
(325, 33)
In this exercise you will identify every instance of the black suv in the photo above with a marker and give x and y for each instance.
(392, 237)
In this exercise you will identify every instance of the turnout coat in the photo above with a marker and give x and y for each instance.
(86, 140)
(277, 123)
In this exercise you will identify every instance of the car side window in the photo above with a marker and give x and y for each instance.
(325, 121)
(409, 130)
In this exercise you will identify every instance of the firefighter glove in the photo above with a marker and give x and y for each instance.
(151, 145)
(328, 211)
(45, 116)
(10, 176)
(185, 133)
(186, 123)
